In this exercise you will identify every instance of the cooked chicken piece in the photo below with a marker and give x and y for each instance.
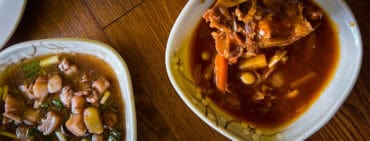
(93, 98)
(21, 133)
(51, 123)
(76, 125)
(67, 68)
(97, 137)
(31, 116)
(13, 108)
(82, 93)
(54, 83)
(40, 88)
(77, 104)
(101, 84)
(27, 91)
(66, 96)
(258, 24)
(109, 119)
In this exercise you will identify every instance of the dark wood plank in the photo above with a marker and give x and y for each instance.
(140, 37)
(139, 31)
(107, 11)
(57, 19)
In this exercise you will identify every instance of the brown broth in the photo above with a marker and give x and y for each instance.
(303, 59)
(14, 77)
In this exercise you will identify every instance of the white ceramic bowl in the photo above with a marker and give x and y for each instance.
(11, 12)
(177, 65)
(29, 49)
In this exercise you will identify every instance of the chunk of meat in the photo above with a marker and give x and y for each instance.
(93, 98)
(109, 119)
(13, 108)
(66, 96)
(97, 137)
(31, 116)
(21, 133)
(101, 84)
(40, 88)
(77, 104)
(258, 24)
(67, 68)
(82, 93)
(54, 83)
(76, 125)
(27, 91)
(51, 123)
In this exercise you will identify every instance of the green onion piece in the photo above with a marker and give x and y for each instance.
(5, 93)
(85, 139)
(1, 92)
(115, 135)
(49, 61)
(8, 134)
(33, 132)
(31, 69)
(105, 97)
(60, 136)
(57, 103)
(44, 106)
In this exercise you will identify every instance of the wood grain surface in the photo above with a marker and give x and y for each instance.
(138, 30)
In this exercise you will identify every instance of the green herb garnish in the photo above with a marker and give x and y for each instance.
(57, 103)
(115, 135)
(33, 132)
(31, 69)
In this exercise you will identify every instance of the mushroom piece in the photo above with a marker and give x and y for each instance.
(75, 125)
(51, 123)
(54, 83)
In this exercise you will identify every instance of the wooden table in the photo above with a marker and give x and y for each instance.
(138, 30)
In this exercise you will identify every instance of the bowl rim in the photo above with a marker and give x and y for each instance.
(129, 106)
(176, 29)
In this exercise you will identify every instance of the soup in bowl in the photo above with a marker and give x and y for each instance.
(65, 89)
(263, 69)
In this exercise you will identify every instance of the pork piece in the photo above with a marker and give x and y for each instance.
(77, 104)
(51, 123)
(76, 125)
(40, 88)
(31, 116)
(82, 93)
(257, 24)
(27, 91)
(21, 133)
(67, 68)
(13, 108)
(109, 119)
(97, 137)
(54, 83)
(93, 98)
(101, 84)
(66, 96)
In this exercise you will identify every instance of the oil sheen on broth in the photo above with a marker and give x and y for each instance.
(267, 97)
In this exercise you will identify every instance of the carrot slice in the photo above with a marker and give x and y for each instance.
(221, 72)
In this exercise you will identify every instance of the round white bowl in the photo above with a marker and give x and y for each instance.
(30, 49)
(323, 109)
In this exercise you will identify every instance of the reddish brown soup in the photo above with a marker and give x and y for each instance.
(312, 59)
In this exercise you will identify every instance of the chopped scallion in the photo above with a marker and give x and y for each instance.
(49, 61)
(31, 69)
(8, 134)
(57, 103)
(5, 93)
(105, 97)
